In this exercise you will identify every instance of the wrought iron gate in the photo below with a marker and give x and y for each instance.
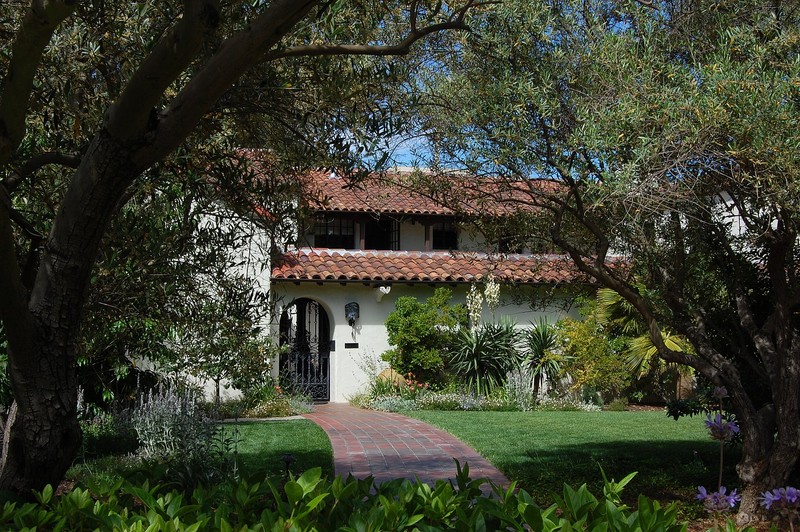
(305, 328)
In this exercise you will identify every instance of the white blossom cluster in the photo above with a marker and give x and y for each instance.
(474, 305)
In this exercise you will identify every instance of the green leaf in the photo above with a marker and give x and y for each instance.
(294, 491)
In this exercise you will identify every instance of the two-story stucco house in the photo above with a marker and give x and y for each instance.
(364, 247)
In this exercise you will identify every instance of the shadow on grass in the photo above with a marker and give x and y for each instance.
(256, 465)
(260, 448)
(666, 470)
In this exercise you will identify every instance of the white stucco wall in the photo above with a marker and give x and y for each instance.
(348, 364)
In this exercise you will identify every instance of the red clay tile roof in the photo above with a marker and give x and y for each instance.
(396, 194)
(331, 193)
(422, 266)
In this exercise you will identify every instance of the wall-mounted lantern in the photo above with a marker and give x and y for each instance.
(351, 312)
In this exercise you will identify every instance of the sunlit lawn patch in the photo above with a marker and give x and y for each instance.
(262, 444)
(259, 447)
(542, 450)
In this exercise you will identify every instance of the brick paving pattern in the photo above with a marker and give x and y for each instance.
(387, 446)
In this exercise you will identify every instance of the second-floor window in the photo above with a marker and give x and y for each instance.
(444, 235)
(334, 232)
(381, 234)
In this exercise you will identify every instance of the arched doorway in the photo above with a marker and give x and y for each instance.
(305, 328)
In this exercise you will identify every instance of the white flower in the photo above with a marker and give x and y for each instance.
(474, 305)
(492, 292)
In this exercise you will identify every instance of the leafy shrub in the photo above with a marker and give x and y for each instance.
(107, 434)
(593, 361)
(482, 356)
(618, 405)
(393, 403)
(519, 388)
(228, 409)
(540, 342)
(421, 332)
(311, 502)
(170, 423)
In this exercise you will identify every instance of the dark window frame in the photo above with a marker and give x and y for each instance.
(334, 232)
(444, 235)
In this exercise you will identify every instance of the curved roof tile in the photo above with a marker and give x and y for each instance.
(308, 264)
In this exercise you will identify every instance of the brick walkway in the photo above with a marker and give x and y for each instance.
(387, 446)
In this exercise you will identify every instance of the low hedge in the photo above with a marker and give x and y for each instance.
(311, 502)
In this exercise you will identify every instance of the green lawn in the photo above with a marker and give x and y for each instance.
(542, 450)
(261, 445)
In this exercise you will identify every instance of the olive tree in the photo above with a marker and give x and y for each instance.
(109, 92)
(664, 133)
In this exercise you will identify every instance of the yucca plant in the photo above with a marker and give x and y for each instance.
(540, 341)
(484, 355)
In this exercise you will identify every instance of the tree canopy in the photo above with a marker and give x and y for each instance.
(668, 131)
(102, 103)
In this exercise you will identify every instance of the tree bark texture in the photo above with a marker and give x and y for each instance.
(42, 435)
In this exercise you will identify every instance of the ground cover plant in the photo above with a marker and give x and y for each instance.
(542, 450)
(311, 502)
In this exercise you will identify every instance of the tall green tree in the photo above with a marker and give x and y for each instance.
(665, 132)
(113, 91)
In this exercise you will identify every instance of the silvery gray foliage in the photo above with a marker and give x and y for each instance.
(519, 388)
(170, 424)
(393, 403)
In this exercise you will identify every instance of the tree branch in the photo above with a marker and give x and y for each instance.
(35, 163)
(401, 48)
(456, 22)
(235, 56)
(40, 21)
(129, 116)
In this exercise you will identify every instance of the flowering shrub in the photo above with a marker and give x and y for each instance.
(462, 401)
(519, 388)
(492, 293)
(407, 388)
(277, 403)
(169, 422)
(414, 387)
(474, 305)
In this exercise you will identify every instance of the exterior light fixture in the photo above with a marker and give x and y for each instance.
(351, 312)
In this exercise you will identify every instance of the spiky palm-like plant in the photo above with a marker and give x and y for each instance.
(540, 341)
(484, 355)
(641, 355)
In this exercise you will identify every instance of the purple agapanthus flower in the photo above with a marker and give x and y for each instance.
(768, 498)
(721, 429)
(781, 499)
(717, 501)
